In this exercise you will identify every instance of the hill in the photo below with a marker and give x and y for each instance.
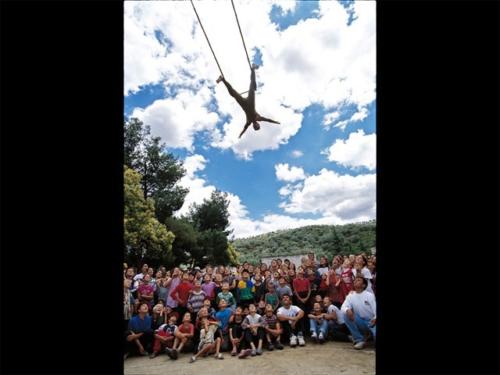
(322, 239)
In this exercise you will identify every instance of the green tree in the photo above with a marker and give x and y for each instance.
(146, 239)
(211, 220)
(212, 213)
(232, 254)
(186, 240)
(160, 170)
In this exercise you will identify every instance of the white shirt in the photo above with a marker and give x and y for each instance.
(292, 311)
(362, 304)
(340, 313)
(322, 270)
(367, 275)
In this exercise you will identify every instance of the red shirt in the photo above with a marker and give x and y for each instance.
(182, 290)
(301, 285)
(188, 330)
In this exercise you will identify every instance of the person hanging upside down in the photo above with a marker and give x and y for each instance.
(248, 103)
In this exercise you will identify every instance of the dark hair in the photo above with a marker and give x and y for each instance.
(365, 282)
(245, 270)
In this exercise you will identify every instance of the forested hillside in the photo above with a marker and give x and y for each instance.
(322, 239)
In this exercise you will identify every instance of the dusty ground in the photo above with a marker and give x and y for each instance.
(312, 359)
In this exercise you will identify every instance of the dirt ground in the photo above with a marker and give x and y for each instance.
(312, 359)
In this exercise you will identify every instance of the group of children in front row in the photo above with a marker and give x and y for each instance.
(245, 330)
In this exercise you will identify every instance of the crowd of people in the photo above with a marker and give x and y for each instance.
(245, 309)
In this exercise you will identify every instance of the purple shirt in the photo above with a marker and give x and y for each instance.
(170, 301)
(208, 288)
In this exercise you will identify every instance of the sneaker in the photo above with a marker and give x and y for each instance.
(314, 336)
(254, 352)
(245, 353)
(193, 358)
(175, 354)
(270, 347)
(153, 355)
(259, 351)
(321, 338)
(234, 352)
(359, 345)
(278, 345)
(219, 79)
(169, 353)
(219, 356)
(293, 341)
(301, 340)
(144, 353)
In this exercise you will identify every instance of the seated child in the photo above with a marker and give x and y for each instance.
(164, 338)
(253, 326)
(236, 333)
(318, 323)
(208, 342)
(272, 329)
(184, 334)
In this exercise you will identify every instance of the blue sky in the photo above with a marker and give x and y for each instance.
(318, 166)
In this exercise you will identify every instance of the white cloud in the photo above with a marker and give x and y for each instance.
(330, 117)
(318, 60)
(286, 6)
(198, 189)
(344, 197)
(177, 120)
(296, 154)
(286, 173)
(360, 115)
(359, 150)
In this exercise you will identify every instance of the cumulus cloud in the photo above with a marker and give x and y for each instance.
(345, 197)
(296, 154)
(330, 117)
(319, 60)
(177, 120)
(286, 173)
(198, 188)
(360, 115)
(356, 151)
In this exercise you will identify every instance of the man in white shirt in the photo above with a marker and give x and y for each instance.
(336, 321)
(290, 317)
(360, 310)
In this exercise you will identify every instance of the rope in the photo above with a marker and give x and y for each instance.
(244, 46)
(211, 49)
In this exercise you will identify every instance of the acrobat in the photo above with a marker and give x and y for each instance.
(248, 103)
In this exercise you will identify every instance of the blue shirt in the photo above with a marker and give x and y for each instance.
(223, 317)
(136, 324)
